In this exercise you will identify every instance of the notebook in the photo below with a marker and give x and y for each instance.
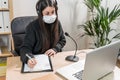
(97, 64)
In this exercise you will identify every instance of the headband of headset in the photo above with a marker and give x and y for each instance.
(39, 4)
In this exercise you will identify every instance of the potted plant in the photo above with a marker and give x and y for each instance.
(98, 26)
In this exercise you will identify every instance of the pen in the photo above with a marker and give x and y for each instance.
(31, 69)
(29, 57)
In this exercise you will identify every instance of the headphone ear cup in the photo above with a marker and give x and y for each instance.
(37, 8)
(38, 11)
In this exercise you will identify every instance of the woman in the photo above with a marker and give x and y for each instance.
(44, 35)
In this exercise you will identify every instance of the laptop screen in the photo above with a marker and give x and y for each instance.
(101, 61)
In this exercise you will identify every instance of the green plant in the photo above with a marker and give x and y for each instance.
(99, 25)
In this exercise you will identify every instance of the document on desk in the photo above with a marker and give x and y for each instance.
(43, 64)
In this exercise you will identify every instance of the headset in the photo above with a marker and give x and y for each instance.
(38, 5)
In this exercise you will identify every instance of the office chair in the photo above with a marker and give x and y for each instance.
(18, 26)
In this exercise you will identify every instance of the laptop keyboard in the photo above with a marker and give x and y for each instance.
(78, 75)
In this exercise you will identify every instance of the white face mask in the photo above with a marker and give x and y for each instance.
(49, 19)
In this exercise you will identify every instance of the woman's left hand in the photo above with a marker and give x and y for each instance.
(50, 52)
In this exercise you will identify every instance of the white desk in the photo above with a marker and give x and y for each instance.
(58, 61)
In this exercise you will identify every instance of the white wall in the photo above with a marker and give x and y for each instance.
(24, 7)
(71, 14)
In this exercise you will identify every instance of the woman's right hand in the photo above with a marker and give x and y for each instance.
(31, 62)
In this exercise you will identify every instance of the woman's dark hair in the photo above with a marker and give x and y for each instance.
(48, 32)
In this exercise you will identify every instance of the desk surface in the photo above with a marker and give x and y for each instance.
(58, 61)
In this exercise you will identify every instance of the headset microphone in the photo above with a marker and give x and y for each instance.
(73, 58)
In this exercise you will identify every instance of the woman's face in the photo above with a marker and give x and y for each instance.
(48, 11)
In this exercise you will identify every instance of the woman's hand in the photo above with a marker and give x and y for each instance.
(50, 52)
(31, 62)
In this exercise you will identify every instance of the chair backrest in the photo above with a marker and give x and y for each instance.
(18, 26)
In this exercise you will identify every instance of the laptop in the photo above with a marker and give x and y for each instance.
(97, 64)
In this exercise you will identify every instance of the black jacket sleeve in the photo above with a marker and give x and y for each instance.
(28, 44)
(62, 41)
